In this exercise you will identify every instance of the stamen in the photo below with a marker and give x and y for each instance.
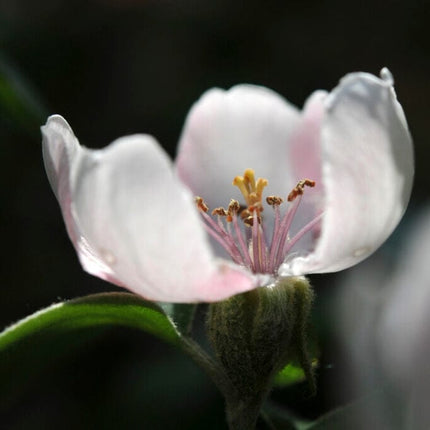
(233, 209)
(220, 212)
(247, 243)
(218, 232)
(274, 200)
(244, 249)
(301, 233)
(256, 244)
(249, 220)
(284, 230)
(298, 190)
(201, 205)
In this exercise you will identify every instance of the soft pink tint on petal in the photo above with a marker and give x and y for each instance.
(305, 153)
(305, 144)
(227, 132)
(367, 173)
(220, 285)
(134, 218)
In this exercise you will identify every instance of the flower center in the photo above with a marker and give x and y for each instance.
(246, 241)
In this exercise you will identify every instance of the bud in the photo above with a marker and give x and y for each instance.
(255, 334)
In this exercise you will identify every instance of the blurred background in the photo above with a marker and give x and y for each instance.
(116, 67)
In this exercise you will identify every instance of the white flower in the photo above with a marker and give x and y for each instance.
(131, 215)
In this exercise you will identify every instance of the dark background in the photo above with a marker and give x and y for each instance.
(113, 68)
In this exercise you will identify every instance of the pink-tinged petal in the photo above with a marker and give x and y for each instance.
(132, 221)
(367, 162)
(227, 132)
(305, 153)
(305, 143)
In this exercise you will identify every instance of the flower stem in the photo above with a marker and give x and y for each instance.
(242, 414)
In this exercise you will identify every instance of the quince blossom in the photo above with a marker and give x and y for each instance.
(334, 181)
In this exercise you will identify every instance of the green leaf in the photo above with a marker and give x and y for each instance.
(120, 309)
(36, 342)
(291, 374)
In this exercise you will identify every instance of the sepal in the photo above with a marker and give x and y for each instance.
(255, 334)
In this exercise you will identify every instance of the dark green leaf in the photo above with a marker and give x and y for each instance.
(34, 343)
(121, 309)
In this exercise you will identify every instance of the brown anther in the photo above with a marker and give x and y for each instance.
(220, 212)
(274, 200)
(201, 205)
(249, 221)
(298, 190)
(245, 214)
(233, 207)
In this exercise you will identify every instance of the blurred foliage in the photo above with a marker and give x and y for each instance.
(20, 107)
(291, 374)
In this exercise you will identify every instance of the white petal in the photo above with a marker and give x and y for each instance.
(368, 170)
(131, 221)
(227, 132)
